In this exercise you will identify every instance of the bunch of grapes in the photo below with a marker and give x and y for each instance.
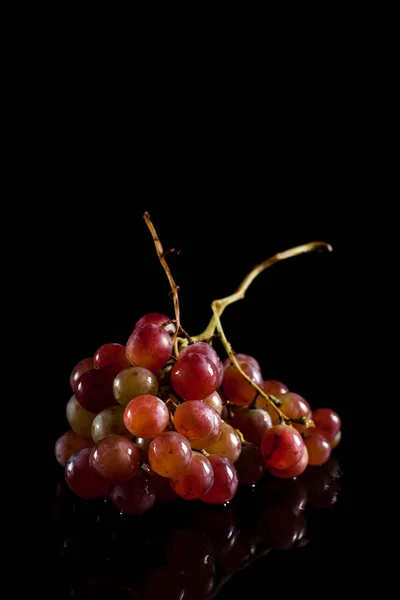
(146, 422)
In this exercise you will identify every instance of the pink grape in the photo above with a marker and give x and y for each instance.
(194, 377)
(69, 443)
(214, 400)
(146, 416)
(250, 465)
(95, 388)
(282, 447)
(114, 459)
(336, 440)
(228, 444)
(156, 319)
(110, 354)
(136, 496)
(86, 364)
(169, 454)
(327, 423)
(253, 423)
(318, 448)
(149, 346)
(194, 419)
(236, 388)
(293, 406)
(209, 352)
(196, 480)
(209, 439)
(82, 479)
(294, 471)
(225, 482)
(275, 387)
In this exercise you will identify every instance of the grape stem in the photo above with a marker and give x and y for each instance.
(174, 288)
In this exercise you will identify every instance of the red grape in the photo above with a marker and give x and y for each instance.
(156, 319)
(250, 465)
(282, 447)
(79, 419)
(69, 443)
(86, 364)
(169, 454)
(225, 481)
(115, 459)
(293, 406)
(95, 388)
(318, 448)
(194, 377)
(136, 496)
(149, 346)
(214, 400)
(275, 387)
(194, 419)
(244, 358)
(195, 480)
(110, 354)
(209, 439)
(82, 479)
(253, 423)
(206, 350)
(146, 416)
(236, 388)
(336, 440)
(228, 444)
(134, 382)
(293, 471)
(327, 423)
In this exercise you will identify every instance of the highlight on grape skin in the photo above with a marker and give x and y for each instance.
(164, 417)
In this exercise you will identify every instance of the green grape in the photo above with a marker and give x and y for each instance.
(133, 382)
(109, 421)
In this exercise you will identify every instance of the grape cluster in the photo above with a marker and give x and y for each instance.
(146, 423)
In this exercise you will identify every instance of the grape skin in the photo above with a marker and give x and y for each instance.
(69, 443)
(228, 444)
(250, 465)
(194, 377)
(282, 447)
(110, 354)
(95, 388)
(327, 423)
(318, 448)
(194, 481)
(169, 454)
(293, 406)
(253, 423)
(146, 416)
(214, 400)
(149, 346)
(225, 482)
(194, 419)
(209, 439)
(80, 420)
(236, 388)
(136, 496)
(114, 459)
(109, 421)
(133, 382)
(86, 364)
(293, 471)
(82, 479)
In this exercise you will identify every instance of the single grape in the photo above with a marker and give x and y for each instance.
(250, 465)
(236, 388)
(327, 423)
(136, 496)
(275, 387)
(79, 369)
(156, 319)
(225, 482)
(79, 419)
(293, 406)
(282, 447)
(194, 377)
(253, 423)
(204, 349)
(228, 444)
(169, 454)
(69, 443)
(195, 480)
(336, 440)
(209, 439)
(108, 422)
(149, 346)
(142, 444)
(318, 448)
(146, 416)
(110, 354)
(194, 419)
(115, 459)
(243, 358)
(133, 382)
(82, 479)
(293, 471)
(95, 388)
(214, 400)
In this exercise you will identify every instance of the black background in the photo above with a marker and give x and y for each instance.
(99, 273)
